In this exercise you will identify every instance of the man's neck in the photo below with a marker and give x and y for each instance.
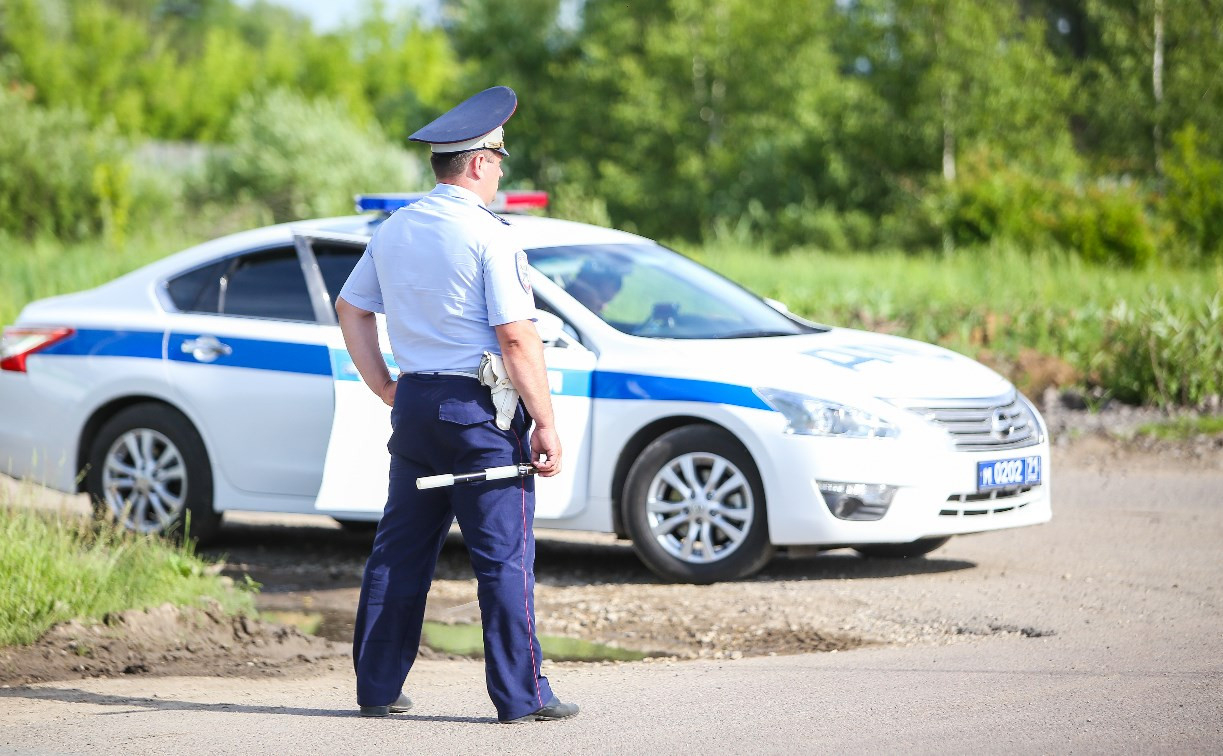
(464, 183)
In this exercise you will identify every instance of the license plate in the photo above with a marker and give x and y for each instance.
(1008, 473)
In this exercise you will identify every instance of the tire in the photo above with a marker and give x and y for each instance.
(149, 470)
(920, 547)
(702, 540)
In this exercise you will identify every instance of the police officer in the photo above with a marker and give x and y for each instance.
(452, 286)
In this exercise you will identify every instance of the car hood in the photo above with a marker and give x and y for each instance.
(840, 364)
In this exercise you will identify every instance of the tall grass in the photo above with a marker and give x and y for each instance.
(1151, 335)
(55, 568)
(45, 267)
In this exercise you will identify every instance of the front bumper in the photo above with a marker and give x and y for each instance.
(937, 490)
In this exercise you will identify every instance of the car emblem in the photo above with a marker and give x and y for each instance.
(1000, 426)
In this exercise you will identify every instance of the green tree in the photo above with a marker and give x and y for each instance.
(303, 158)
(1152, 67)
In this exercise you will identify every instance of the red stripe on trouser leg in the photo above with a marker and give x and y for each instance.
(526, 606)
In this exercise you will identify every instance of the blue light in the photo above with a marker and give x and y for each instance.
(385, 203)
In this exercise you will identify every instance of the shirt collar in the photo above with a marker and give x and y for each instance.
(458, 192)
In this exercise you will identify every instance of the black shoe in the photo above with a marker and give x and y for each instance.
(402, 704)
(554, 710)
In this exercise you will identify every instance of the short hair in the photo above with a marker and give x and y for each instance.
(451, 164)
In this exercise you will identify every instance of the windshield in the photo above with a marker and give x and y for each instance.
(648, 290)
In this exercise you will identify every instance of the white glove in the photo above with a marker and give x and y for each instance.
(505, 397)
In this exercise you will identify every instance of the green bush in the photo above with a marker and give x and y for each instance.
(58, 568)
(1194, 199)
(303, 159)
(993, 202)
(1165, 351)
(58, 175)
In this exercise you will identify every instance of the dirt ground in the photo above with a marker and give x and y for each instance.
(589, 586)
(1095, 633)
(167, 640)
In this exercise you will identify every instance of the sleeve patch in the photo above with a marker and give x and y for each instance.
(524, 274)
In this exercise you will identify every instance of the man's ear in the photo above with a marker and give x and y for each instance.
(478, 165)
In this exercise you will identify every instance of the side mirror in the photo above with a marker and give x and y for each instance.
(550, 327)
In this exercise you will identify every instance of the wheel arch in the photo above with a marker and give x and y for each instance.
(103, 413)
(643, 438)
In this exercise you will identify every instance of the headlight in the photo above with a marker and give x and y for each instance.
(809, 416)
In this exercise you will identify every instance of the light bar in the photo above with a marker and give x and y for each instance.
(18, 343)
(504, 202)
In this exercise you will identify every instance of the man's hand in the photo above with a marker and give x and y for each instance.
(388, 392)
(545, 443)
(524, 360)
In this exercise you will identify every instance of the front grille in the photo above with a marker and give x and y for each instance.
(985, 425)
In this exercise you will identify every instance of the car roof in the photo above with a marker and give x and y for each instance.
(529, 232)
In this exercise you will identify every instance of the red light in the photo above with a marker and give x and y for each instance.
(523, 200)
(20, 342)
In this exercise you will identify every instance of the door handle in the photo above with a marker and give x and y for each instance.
(206, 348)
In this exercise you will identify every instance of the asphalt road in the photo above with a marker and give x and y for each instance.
(1097, 633)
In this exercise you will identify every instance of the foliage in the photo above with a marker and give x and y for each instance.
(1106, 222)
(43, 266)
(181, 70)
(304, 159)
(60, 176)
(835, 124)
(1164, 351)
(1184, 427)
(1195, 193)
(59, 568)
(1143, 336)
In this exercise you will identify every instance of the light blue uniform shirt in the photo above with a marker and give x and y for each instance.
(444, 271)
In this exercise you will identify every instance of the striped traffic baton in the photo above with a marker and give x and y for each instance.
(492, 473)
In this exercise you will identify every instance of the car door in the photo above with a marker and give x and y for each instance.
(247, 356)
(570, 369)
(354, 478)
(357, 462)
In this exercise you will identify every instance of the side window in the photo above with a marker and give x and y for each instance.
(268, 284)
(198, 290)
(335, 262)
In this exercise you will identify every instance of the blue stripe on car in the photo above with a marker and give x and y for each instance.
(610, 385)
(343, 368)
(107, 343)
(256, 354)
(317, 359)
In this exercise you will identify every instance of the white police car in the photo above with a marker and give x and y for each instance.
(706, 424)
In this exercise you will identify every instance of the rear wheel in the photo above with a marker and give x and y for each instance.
(694, 507)
(149, 470)
(920, 547)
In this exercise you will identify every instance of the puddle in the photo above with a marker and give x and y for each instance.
(308, 622)
(467, 640)
(459, 639)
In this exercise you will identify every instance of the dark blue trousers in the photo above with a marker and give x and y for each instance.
(445, 424)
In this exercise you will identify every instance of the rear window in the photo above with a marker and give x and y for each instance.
(264, 284)
(335, 262)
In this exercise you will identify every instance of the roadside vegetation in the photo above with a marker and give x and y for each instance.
(60, 567)
(1038, 185)
(1152, 335)
(1183, 428)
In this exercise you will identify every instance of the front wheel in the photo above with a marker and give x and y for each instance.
(694, 507)
(920, 547)
(148, 469)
